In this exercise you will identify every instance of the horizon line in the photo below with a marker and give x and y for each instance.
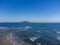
(27, 22)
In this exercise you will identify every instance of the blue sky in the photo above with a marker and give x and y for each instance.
(31, 10)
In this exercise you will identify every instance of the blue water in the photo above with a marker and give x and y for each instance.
(42, 26)
(34, 26)
(28, 24)
(49, 28)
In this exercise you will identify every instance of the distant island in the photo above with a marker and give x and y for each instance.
(25, 21)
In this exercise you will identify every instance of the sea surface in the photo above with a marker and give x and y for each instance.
(33, 27)
(42, 26)
(39, 32)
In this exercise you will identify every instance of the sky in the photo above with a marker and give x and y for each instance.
(30, 10)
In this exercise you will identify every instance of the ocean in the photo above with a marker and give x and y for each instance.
(42, 26)
(42, 33)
